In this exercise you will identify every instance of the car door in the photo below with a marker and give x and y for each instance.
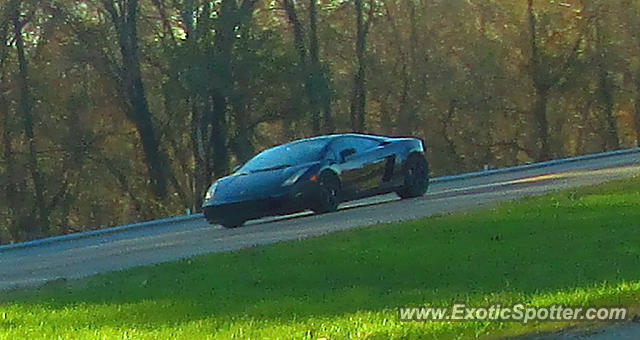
(376, 161)
(342, 152)
(363, 163)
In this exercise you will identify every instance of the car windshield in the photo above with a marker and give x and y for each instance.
(286, 155)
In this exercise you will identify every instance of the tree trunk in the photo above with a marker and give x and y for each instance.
(307, 71)
(125, 23)
(210, 104)
(543, 151)
(242, 145)
(200, 152)
(406, 117)
(197, 100)
(25, 109)
(219, 135)
(637, 113)
(458, 162)
(538, 72)
(156, 162)
(10, 189)
(581, 135)
(298, 32)
(545, 78)
(222, 87)
(605, 89)
(403, 122)
(611, 126)
(408, 104)
(244, 148)
(359, 100)
(314, 81)
(319, 88)
(124, 184)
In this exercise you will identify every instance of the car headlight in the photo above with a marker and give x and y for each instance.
(294, 178)
(212, 189)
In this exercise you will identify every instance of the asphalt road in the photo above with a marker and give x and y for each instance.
(617, 331)
(83, 257)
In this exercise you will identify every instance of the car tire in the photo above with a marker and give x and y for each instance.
(416, 177)
(232, 224)
(328, 196)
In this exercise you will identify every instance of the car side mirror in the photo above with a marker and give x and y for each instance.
(344, 154)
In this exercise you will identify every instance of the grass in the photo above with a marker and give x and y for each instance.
(579, 247)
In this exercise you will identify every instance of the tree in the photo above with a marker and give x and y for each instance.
(314, 79)
(124, 17)
(202, 62)
(319, 83)
(11, 183)
(546, 76)
(631, 12)
(605, 85)
(25, 109)
(203, 85)
(359, 99)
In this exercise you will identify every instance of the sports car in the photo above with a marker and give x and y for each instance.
(318, 174)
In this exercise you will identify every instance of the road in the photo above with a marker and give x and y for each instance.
(83, 257)
(617, 331)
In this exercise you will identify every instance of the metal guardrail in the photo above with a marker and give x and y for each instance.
(100, 232)
(165, 221)
(539, 165)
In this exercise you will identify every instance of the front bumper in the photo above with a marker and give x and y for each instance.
(289, 203)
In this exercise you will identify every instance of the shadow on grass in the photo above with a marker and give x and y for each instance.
(540, 245)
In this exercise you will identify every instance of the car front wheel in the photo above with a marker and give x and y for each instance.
(328, 195)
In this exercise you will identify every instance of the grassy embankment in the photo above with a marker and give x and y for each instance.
(578, 247)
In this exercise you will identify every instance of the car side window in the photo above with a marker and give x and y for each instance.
(331, 154)
(337, 147)
(361, 144)
(350, 146)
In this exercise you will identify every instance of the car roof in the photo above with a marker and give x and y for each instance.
(330, 138)
(336, 136)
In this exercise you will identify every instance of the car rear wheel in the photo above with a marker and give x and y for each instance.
(232, 224)
(416, 177)
(328, 195)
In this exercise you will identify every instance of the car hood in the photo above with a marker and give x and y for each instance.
(254, 185)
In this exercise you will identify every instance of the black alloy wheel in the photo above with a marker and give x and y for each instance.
(328, 195)
(416, 177)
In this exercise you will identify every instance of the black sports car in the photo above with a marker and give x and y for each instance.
(318, 173)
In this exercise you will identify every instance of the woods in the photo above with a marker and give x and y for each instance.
(115, 111)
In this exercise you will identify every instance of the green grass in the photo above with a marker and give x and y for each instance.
(579, 247)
